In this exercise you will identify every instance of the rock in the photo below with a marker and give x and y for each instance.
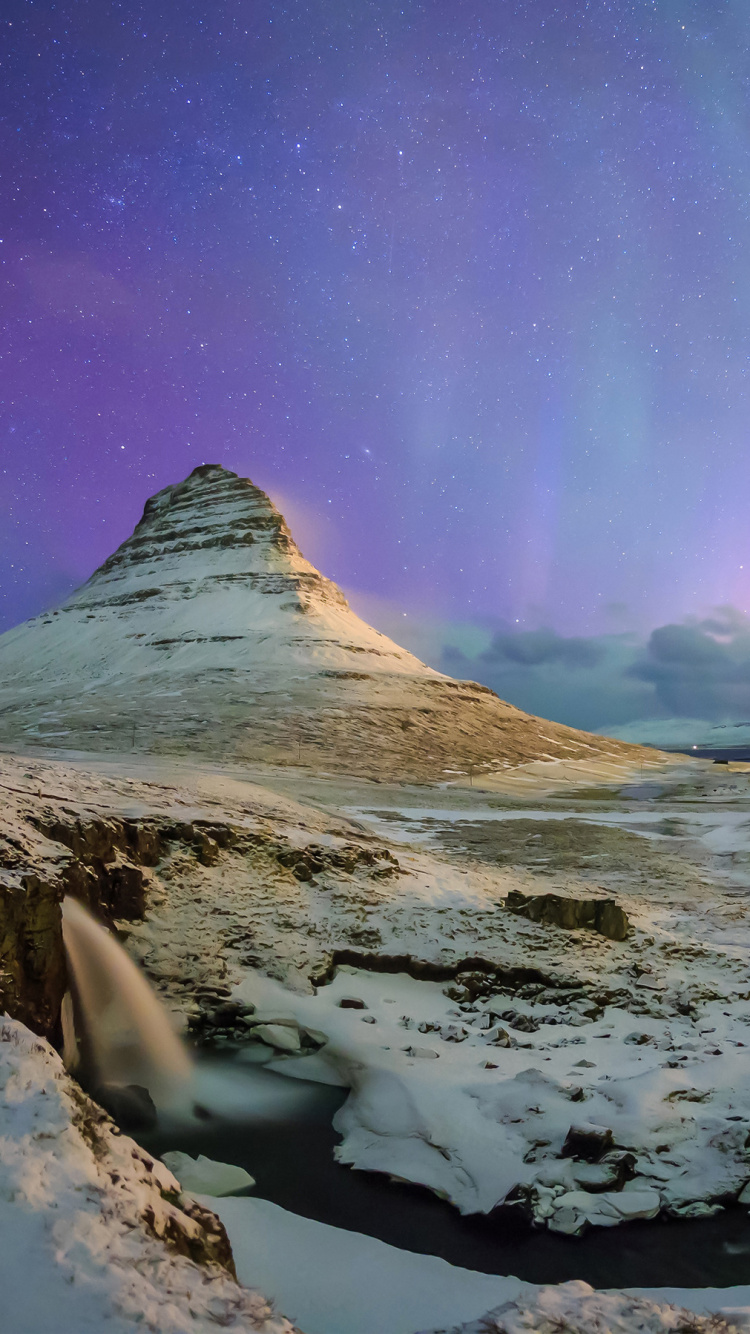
(631, 1204)
(695, 1209)
(313, 1037)
(351, 1003)
(453, 1033)
(576, 1209)
(424, 1052)
(130, 1105)
(587, 1141)
(602, 915)
(33, 975)
(610, 1173)
(230, 1011)
(207, 849)
(568, 1221)
(280, 1036)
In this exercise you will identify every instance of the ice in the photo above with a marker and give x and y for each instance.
(204, 1176)
(339, 1282)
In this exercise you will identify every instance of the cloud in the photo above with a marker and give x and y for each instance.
(700, 669)
(680, 682)
(532, 647)
(582, 682)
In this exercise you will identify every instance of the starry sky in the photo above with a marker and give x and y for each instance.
(465, 287)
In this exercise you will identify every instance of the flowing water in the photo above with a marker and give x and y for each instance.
(293, 1165)
(127, 1029)
(280, 1131)
(128, 1039)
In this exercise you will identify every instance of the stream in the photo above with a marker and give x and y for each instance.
(291, 1158)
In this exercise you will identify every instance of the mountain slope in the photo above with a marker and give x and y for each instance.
(208, 632)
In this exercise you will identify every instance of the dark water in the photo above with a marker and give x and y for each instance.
(293, 1165)
(719, 754)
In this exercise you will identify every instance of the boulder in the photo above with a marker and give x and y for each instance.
(130, 1105)
(587, 1141)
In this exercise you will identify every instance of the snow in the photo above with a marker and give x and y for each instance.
(205, 1176)
(75, 1252)
(651, 1042)
(338, 1282)
(472, 1133)
(483, 1112)
(576, 1307)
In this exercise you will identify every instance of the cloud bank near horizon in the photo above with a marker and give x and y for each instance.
(675, 684)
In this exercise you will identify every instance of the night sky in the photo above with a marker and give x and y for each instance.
(466, 287)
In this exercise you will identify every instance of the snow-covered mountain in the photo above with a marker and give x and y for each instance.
(207, 631)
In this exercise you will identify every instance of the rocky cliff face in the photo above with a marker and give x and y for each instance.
(208, 632)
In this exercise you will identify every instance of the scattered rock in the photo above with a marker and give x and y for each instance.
(587, 1141)
(610, 1173)
(351, 1003)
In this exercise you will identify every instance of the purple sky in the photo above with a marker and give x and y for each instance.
(465, 286)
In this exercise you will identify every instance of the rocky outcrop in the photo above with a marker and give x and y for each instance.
(105, 1233)
(208, 632)
(32, 966)
(602, 915)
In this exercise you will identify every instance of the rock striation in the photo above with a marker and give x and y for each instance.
(208, 632)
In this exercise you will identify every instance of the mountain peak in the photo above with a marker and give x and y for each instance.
(208, 632)
(213, 525)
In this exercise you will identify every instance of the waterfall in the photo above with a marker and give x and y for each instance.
(127, 1028)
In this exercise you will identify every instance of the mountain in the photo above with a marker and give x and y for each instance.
(208, 632)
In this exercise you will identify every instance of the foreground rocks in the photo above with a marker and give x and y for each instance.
(96, 1226)
(574, 1308)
